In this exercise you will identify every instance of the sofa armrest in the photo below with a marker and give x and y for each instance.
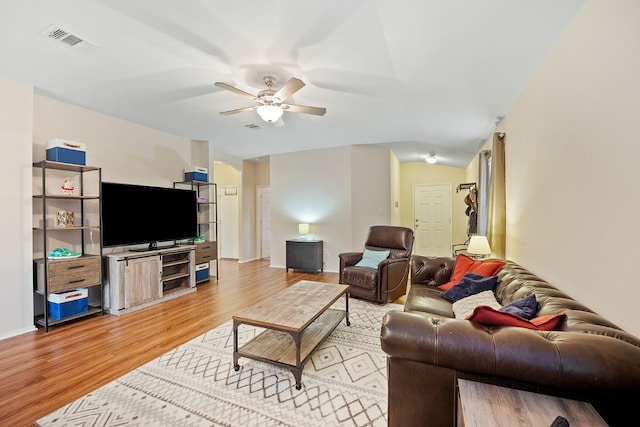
(431, 271)
(566, 360)
(349, 258)
(394, 274)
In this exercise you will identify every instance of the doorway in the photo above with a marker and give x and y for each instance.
(432, 220)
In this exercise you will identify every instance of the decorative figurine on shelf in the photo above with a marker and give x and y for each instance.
(61, 219)
(67, 186)
(69, 216)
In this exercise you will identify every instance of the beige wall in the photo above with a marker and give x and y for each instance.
(572, 152)
(229, 221)
(396, 190)
(16, 133)
(125, 151)
(262, 173)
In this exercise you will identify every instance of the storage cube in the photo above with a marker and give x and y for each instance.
(60, 150)
(68, 303)
(202, 272)
(196, 173)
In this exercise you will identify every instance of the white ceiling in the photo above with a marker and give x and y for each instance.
(418, 76)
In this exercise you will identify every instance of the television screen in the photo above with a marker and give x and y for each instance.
(137, 214)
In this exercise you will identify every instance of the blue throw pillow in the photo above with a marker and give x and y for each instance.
(371, 259)
(474, 276)
(470, 286)
(526, 307)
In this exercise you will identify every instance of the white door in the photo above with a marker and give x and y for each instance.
(264, 221)
(432, 219)
(228, 231)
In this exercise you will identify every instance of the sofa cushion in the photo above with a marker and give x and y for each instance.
(361, 277)
(492, 317)
(526, 307)
(465, 264)
(465, 306)
(426, 299)
(470, 285)
(371, 259)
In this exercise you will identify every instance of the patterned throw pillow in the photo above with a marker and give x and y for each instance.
(465, 306)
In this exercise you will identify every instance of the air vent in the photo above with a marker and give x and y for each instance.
(64, 36)
(252, 126)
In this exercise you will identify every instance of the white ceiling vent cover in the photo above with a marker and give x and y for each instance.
(64, 36)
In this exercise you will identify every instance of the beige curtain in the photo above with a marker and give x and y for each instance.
(496, 215)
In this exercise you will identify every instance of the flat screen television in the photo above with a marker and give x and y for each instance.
(138, 214)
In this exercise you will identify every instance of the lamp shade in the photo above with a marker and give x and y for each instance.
(269, 113)
(303, 229)
(479, 245)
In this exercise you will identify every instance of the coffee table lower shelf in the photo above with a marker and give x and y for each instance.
(287, 349)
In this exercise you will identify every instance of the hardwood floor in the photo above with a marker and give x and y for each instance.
(40, 372)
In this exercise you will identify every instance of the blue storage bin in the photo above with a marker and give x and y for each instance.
(59, 150)
(196, 174)
(68, 303)
(202, 272)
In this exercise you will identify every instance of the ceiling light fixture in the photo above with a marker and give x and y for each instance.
(431, 158)
(269, 113)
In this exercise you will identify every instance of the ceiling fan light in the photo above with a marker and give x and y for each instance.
(269, 113)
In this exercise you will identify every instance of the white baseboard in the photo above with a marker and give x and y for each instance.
(17, 332)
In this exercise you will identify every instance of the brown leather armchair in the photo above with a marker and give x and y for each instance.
(389, 281)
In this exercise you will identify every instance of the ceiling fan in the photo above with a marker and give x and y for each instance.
(271, 103)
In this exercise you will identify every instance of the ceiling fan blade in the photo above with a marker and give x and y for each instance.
(235, 90)
(316, 111)
(237, 110)
(291, 87)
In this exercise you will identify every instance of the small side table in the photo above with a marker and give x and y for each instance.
(305, 255)
(481, 404)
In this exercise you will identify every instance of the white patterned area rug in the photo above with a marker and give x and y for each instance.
(343, 384)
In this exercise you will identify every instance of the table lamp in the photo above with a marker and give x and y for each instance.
(303, 230)
(479, 245)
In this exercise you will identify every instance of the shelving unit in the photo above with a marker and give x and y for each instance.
(83, 236)
(207, 251)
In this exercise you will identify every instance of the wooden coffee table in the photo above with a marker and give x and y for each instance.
(297, 320)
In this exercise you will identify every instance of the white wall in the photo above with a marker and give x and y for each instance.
(16, 283)
(316, 187)
(572, 171)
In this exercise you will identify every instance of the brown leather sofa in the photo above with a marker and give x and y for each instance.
(586, 357)
(389, 281)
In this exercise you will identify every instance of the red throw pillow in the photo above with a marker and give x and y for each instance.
(486, 268)
(462, 264)
(465, 264)
(488, 316)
